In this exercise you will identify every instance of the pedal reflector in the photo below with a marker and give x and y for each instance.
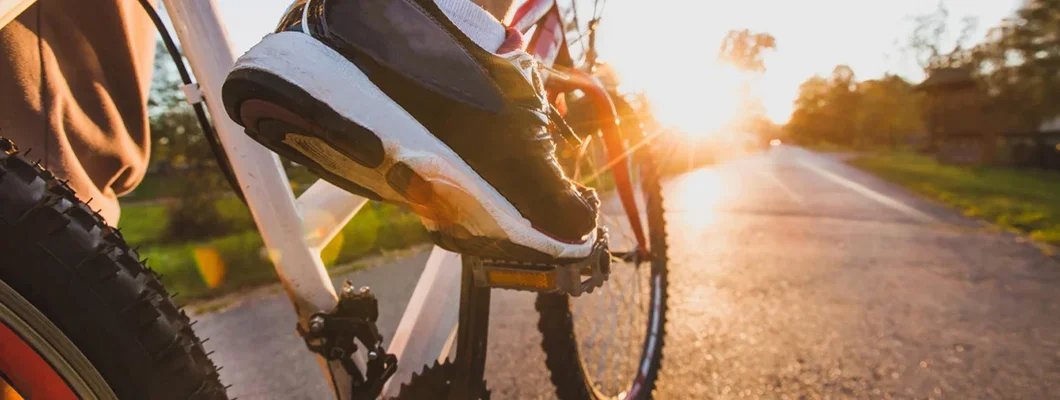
(572, 278)
(521, 279)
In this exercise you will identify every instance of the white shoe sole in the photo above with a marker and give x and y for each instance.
(440, 186)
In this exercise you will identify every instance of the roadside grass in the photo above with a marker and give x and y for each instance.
(827, 147)
(215, 266)
(823, 146)
(143, 224)
(146, 223)
(157, 185)
(1024, 200)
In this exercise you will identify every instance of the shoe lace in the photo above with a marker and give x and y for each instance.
(560, 125)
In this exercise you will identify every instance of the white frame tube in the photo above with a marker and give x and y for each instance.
(325, 210)
(430, 317)
(259, 173)
(294, 231)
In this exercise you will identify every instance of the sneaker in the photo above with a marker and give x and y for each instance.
(388, 99)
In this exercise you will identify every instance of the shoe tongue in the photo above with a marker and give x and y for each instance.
(513, 40)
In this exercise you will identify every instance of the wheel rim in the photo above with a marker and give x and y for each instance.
(616, 326)
(37, 361)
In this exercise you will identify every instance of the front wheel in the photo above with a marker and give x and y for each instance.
(80, 314)
(608, 344)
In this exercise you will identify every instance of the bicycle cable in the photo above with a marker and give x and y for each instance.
(200, 113)
(590, 29)
(598, 8)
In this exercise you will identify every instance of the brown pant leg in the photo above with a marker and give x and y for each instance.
(78, 96)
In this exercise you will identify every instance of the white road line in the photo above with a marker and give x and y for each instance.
(870, 194)
(791, 193)
(767, 173)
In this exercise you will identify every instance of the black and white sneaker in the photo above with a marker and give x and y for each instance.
(390, 100)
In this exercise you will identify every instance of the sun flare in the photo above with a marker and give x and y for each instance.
(698, 103)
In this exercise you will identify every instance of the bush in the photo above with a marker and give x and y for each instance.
(375, 228)
(195, 216)
(212, 267)
(144, 224)
(207, 268)
(1020, 199)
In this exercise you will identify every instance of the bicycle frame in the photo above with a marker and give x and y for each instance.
(295, 230)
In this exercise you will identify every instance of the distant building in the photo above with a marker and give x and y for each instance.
(954, 116)
(964, 129)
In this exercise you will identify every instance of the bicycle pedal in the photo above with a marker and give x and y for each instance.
(573, 278)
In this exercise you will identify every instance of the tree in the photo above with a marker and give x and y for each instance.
(745, 49)
(809, 118)
(177, 142)
(928, 41)
(827, 108)
(176, 137)
(1019, 65)
(1016, 69)
(845, 105)
(838, 109)
(889, 109)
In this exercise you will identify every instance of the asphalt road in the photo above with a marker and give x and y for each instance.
(792, 276)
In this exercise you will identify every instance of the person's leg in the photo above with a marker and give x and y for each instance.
(74, 81)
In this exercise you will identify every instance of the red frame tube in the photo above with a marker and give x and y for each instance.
(530, 13)
(614, 143)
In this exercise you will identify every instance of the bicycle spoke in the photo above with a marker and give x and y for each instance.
(616, 327)
(595, 329)
(613, 316)
(641, 315)
(632, 335)
(622, 157)
(617, 359)
(632, 344)
(602, 366)
(628, 257)
(616, 227)
(611, 324)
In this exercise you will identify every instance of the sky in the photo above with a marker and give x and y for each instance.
(667, 48)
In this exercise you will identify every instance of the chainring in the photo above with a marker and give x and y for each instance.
(433, 383)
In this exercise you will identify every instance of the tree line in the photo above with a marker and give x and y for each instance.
(838, 109)
(1015, 69)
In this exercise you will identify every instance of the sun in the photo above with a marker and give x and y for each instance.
(696, 102)
(672, 58)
